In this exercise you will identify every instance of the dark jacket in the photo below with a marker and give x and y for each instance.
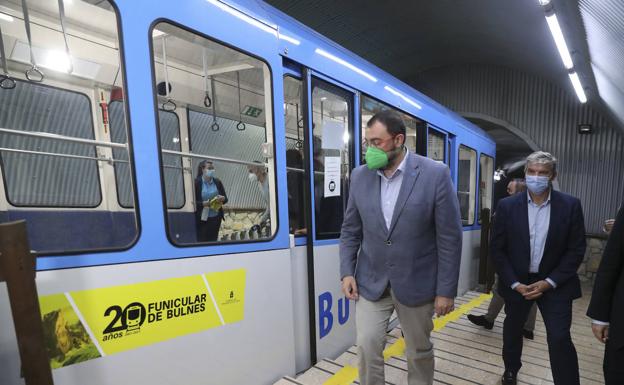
(607, 301)
(563, 252)
(198, 199)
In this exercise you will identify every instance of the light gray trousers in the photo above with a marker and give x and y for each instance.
(372, 319)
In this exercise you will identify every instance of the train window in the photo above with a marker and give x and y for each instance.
(226, 96)
(466, 179)
(331, 112)
(295, 142)
(486, 181)
(436, 149)
(169, 125)
(43, 172)
(56, 150)
(371, 106)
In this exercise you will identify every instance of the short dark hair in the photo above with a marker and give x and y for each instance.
(391, 119)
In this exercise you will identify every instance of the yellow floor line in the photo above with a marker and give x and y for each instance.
(348, 374)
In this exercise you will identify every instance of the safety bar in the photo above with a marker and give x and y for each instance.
(217, 158)
(47, 135)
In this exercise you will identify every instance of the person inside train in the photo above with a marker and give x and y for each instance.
(400, 248)
(532, 269)
(258, 175)
(210, 197)
(515, 186)
(294, 180)
(605, 308)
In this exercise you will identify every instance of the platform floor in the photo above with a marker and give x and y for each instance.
(468, 354)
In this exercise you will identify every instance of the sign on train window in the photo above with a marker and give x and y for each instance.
(466, 180)
(486, 181)
(372, 106)
(58, 155)
(331, 151)
(295, 142)
(220, 152)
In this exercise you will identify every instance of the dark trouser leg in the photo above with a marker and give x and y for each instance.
(213, 226)
(614, 364)
(563, 360)
(530, 322)
(208, 230)
(516, 315)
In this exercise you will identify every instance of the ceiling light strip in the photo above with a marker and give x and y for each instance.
(557, 35)
(346, 64)
(578, 88)
(399, 94)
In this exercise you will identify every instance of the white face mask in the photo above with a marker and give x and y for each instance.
(252, 177)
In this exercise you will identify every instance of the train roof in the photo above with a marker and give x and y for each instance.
(271, 16)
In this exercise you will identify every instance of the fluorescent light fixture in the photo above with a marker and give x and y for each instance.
(346, 137)
(272, 29)
(576, 82)
(345, 63)
(5, 17)
(288, 38)
(157, 33)
(55, 60)
(543, 2)
(555, 30)
(397, 93)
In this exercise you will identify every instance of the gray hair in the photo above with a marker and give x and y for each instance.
(542, 157)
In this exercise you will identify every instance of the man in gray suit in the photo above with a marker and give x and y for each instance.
(400, 248)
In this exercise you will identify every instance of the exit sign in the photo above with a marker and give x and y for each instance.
(254, 112)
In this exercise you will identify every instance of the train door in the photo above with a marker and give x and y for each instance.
(298, 196)
(331, 156)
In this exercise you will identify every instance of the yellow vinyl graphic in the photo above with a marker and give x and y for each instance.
(87, 324)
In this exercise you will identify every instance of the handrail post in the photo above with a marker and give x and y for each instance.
(17, 268)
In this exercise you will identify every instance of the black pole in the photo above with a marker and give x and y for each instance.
(307, 197)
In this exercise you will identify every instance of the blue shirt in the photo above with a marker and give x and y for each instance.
(539, 221)
(390, 187)
(209, 191)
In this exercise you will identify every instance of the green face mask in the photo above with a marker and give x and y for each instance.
(375, 158)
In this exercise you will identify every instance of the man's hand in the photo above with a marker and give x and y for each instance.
(443, 305)
(601, 332)
(349, 288)
(522, 289)
(536, 289)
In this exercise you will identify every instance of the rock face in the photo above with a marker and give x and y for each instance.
(60, 337)
(237, 221)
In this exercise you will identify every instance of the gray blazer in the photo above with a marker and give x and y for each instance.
(421, 252)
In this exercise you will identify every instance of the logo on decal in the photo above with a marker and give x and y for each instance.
(129, 320)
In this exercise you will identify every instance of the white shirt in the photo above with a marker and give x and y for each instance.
(390, 187)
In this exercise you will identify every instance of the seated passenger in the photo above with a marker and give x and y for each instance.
(209, 200)
(258, 175)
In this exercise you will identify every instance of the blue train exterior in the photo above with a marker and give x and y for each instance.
(293, 313)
